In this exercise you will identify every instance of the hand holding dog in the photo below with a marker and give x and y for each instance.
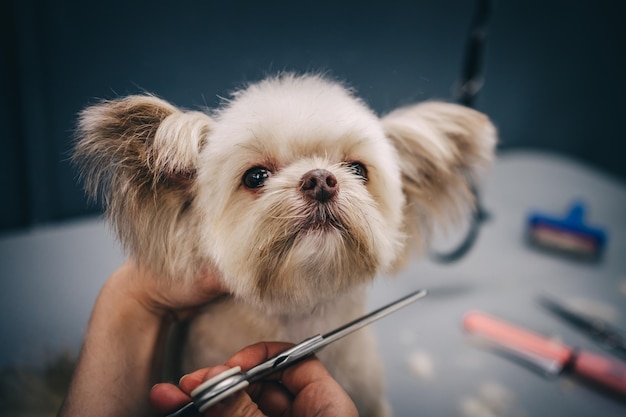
(122, 354)
(305, 389)
(163, 297)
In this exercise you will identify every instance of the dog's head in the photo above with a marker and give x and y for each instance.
(294, 190)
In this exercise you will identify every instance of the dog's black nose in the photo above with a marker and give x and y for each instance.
(319, 184)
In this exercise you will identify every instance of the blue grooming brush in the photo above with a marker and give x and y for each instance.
(568, 235)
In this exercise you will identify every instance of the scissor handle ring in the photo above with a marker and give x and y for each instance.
(219, 387)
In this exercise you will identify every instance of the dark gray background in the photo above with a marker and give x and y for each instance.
(554, 71)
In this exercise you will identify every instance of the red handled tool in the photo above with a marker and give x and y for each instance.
(550, 356)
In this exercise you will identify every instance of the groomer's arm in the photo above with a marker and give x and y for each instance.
(122, 352)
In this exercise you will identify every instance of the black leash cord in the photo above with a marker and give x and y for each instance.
(470, 84)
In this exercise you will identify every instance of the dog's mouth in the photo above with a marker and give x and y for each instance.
(318, 252)
(322, 218)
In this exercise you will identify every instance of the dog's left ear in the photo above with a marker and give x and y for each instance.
(441, 148)
(140, 153)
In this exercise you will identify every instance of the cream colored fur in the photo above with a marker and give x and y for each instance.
(295, 266)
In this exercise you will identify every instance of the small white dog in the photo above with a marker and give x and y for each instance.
(296, 192)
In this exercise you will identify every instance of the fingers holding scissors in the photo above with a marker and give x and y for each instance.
(304, 389)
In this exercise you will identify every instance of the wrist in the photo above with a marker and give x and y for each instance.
(125, 323)
(122, 353)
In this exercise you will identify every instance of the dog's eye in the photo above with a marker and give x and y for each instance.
(255, 177)
(358, 169)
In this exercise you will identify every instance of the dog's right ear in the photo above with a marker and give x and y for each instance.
(140, 155)
(442, 148)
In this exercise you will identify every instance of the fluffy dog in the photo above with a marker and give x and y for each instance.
(295, 192)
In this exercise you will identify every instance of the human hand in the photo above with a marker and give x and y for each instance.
(123, 347)
(304, 389)
(161, 296)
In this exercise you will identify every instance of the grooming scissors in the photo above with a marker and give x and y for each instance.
(233, 380)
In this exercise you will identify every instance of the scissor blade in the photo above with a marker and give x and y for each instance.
(314, 344)
(378, 314)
